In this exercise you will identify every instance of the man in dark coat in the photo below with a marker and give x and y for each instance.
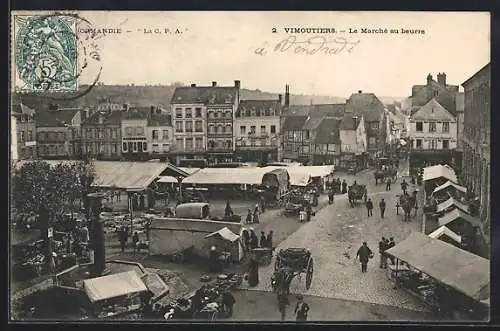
(364, 253)
(249, 219)
(369, 207)
(122, 237)
(228, 302)
(253, 272)
(404, 186)
(262, 203)
(382, 207)
(263, 239)
(382, 246)
(388, 184)
(391, 244)
(135, 242)
(308, 212)
(301, 309)
(331, 196)
(344, 187)
(228, 212)
(269, 239)
(256, 215)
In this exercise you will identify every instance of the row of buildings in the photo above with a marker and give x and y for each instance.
(445, 125)
(213, 124)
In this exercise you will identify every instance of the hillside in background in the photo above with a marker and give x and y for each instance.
(160, 95)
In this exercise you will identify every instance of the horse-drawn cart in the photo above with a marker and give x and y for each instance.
(289, 263)
(356, 192)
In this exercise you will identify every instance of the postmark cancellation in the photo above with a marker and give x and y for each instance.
(45, 53)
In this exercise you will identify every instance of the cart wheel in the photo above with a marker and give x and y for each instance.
(309, 273)
(277, 263)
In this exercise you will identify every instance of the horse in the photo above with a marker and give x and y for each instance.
(280, 281)
(356, 192)
(408, 202)
(379, 176)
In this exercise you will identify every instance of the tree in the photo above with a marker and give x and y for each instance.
(47, 190)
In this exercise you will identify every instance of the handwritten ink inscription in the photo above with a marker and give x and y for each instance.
(312, 46)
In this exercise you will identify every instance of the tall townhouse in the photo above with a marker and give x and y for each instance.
(433, 134)
(58, 133)
(476, 139)
(375, 118)
(24, 128)
(353, 139)
(159, 133)
(203, 122)
(102, 134)
(257, 130)
(134, 128)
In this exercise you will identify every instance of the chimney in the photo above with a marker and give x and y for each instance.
(214, 84)
(193, 85)
(237, 84)
(280, 99)
(429, 78)
(287, 95)
(360, 91)
(441, 77)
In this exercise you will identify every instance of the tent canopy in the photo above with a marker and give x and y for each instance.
(113, 286)
(451, 202)
(459, 269)
(456, 214)
(445, 231)
(238, 176)
(449, 184)
(313, 171)
(439, 171)
(299, 179)
(224, 233)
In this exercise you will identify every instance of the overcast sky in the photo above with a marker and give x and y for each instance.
(220, 46)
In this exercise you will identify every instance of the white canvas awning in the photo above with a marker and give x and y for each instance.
(236, 176)
(225, 233)
(445, 231)
(448, 184)
(451, 202)
(167, 179)
(313, 171)
(456, 214)
(439, 171)
(112, 286)
(299, 179)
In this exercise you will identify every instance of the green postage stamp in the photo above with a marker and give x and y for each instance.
(45, 53)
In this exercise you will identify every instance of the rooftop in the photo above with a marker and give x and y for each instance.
(55, 118)
(328, 131)
(366, 103)
(260, 106)
(205, 95)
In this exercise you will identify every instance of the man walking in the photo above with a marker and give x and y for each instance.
(263, 239)
(382, 246)
(269, 239)
(388, 184)
(369, 207)
(364, 253)
(228, 302)
(382, 207)
(301, 309)
(391, 244)
(404, 186)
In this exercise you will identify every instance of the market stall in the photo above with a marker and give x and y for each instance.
(227, 244)
(445, 277)
(117, 294)
(449, 189)
(448, 236)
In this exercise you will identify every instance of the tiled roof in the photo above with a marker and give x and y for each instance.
(433, 111)
(110, 118)
(160, 120)
(328, 131)
(55, 118)
(259, 105)
(366, 103)
(294, 123)
(319, 110)
(204, 95)
(347, 122)
(137, 113)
